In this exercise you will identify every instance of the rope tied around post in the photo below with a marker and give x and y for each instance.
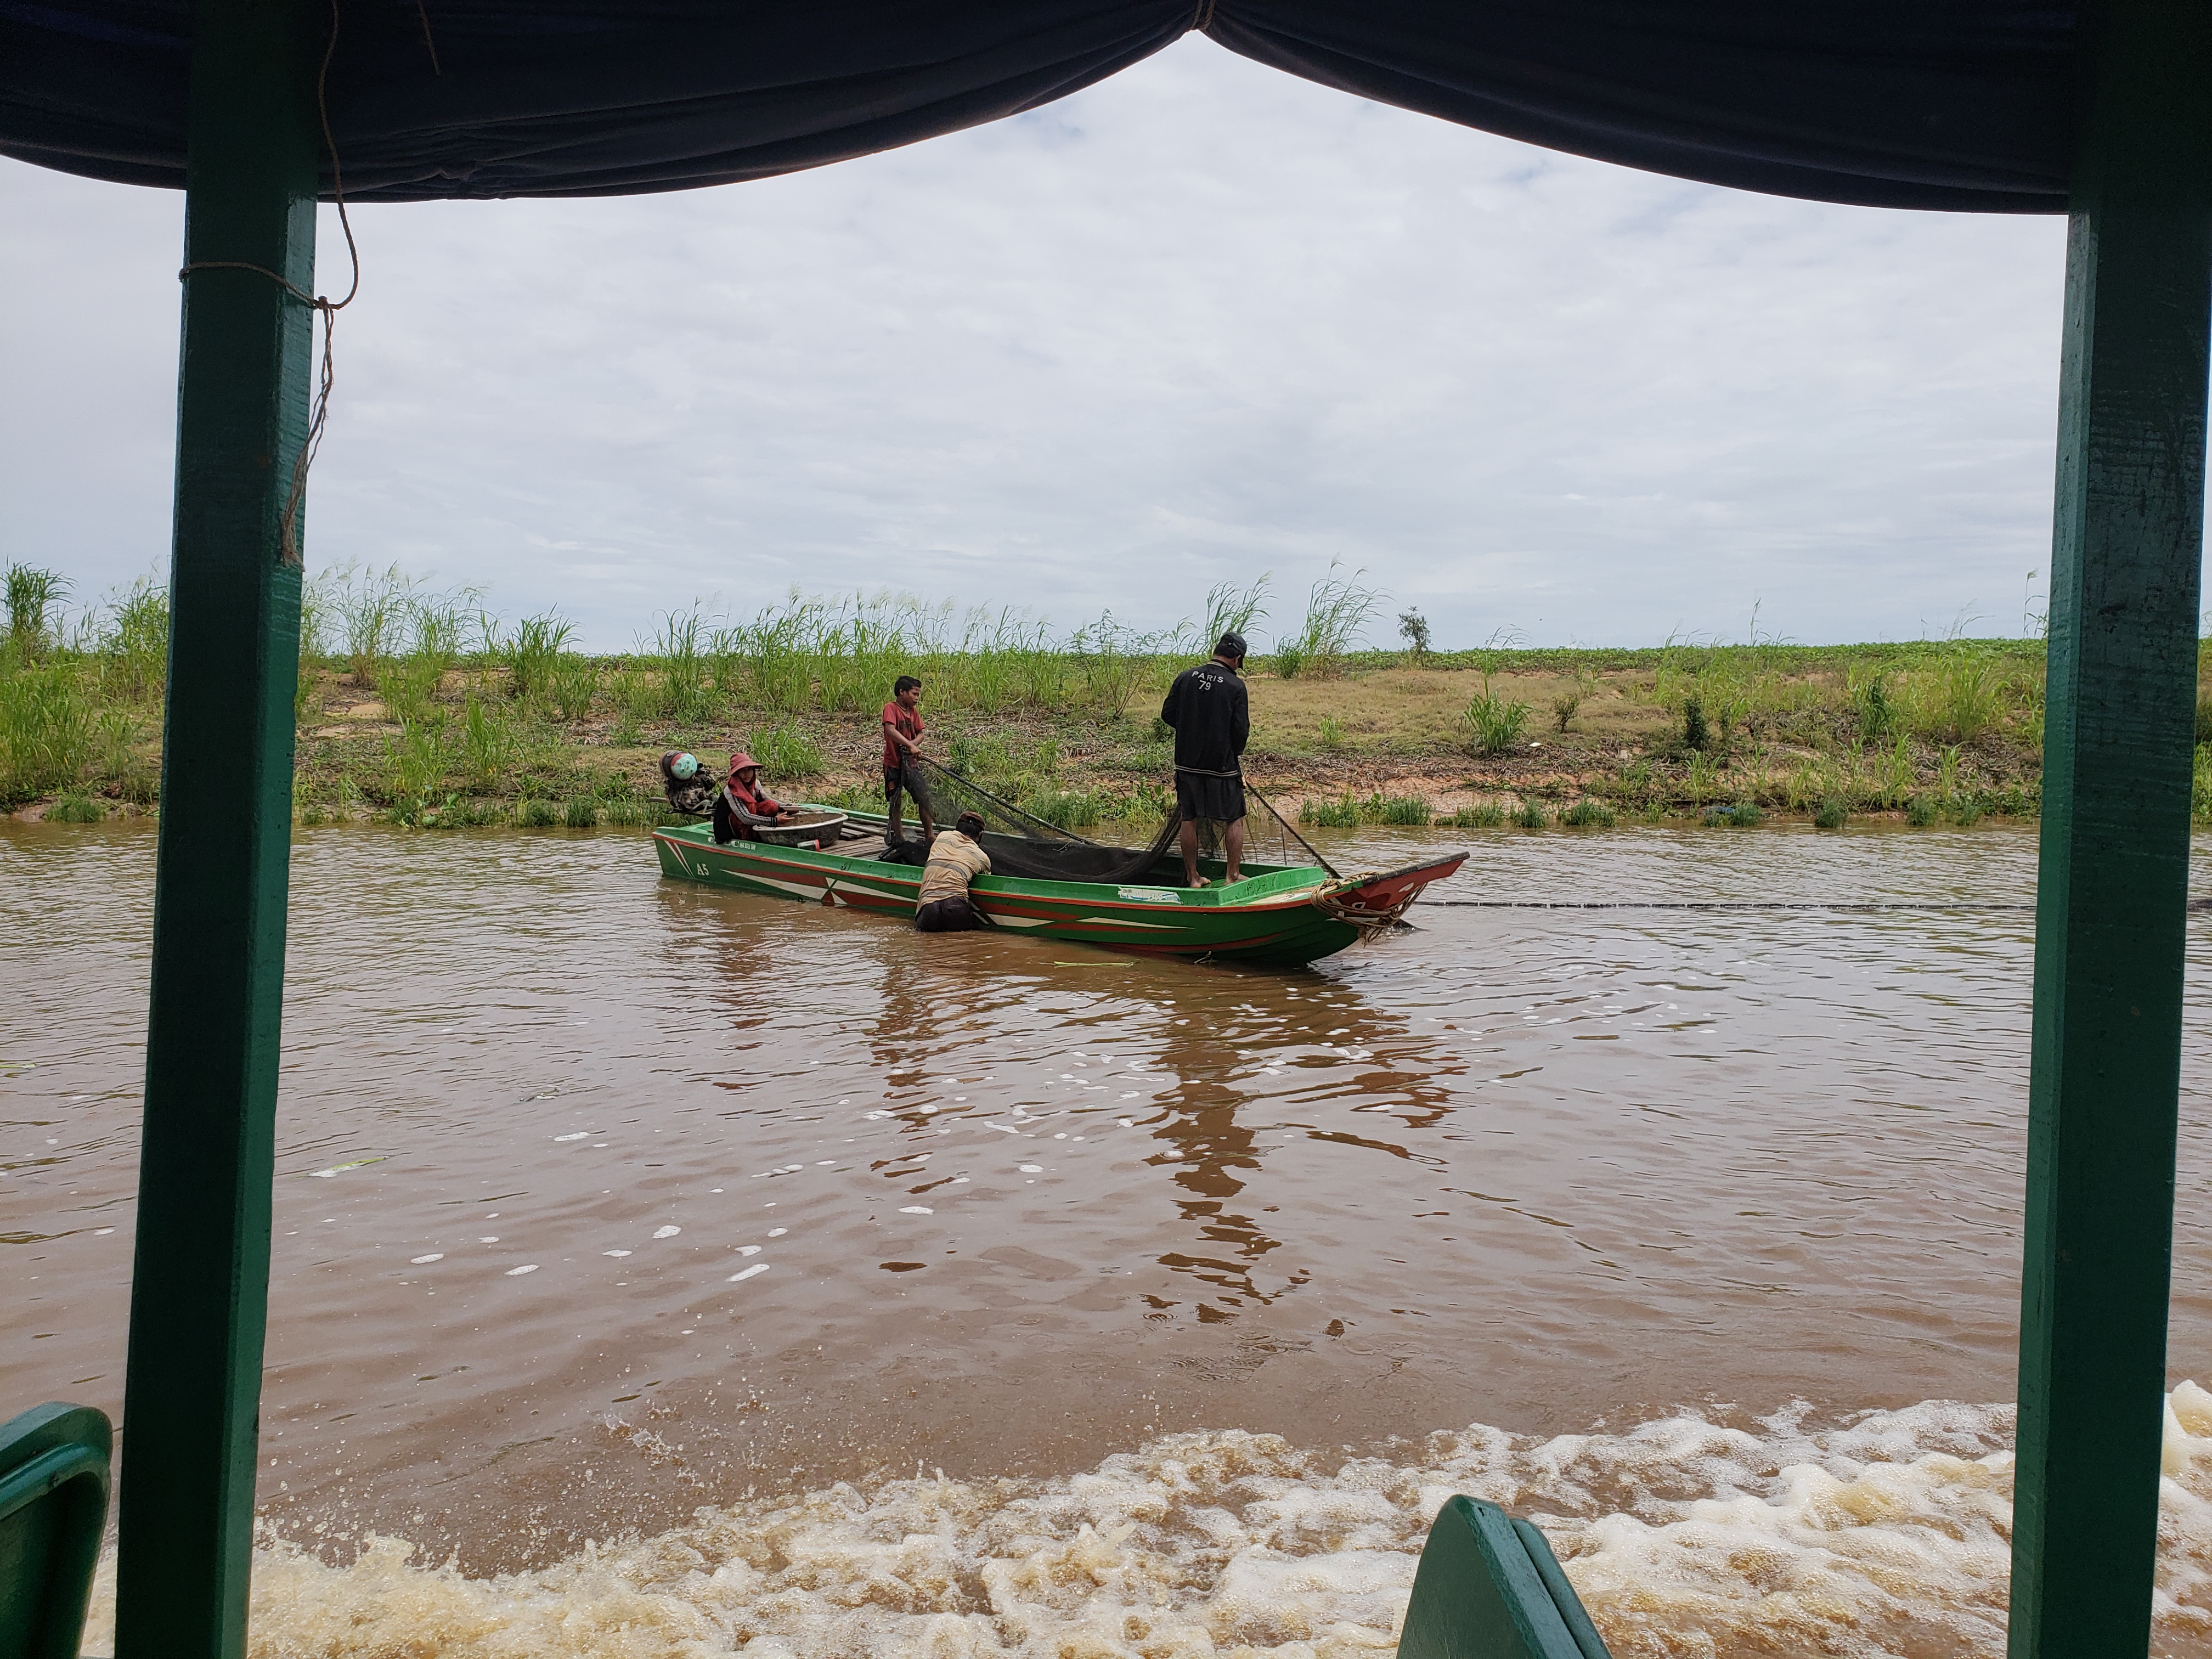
(288, 538)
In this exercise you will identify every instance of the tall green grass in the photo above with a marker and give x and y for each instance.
(1336, 609)
(133, 642)
(35, 602)
(1495, 722)
(529, 653)
(49, 732)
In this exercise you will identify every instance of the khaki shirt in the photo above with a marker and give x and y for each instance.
(954, 861)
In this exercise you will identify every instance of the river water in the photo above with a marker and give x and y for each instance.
(666, 1272)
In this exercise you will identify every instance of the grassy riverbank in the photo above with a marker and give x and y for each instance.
(422, 709)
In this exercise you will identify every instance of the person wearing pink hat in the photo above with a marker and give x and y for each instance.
(742, 806)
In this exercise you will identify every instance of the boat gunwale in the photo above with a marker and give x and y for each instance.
(698, 837)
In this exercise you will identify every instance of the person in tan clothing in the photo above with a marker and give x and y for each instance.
(956, 858)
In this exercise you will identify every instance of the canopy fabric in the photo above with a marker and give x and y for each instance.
(1948, 104)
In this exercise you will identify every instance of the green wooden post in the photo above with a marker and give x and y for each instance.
(2115, 856)
(199, 1297)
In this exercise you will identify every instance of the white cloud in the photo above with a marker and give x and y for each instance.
(1202, 321)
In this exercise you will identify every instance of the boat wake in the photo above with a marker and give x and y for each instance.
(1686, 1535)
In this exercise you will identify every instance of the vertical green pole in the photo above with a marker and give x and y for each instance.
(2127, 548)
(199, 1294)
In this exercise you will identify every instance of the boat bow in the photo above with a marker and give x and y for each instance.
(1373, 902)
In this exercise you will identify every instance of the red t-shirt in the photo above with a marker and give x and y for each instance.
(903, 718)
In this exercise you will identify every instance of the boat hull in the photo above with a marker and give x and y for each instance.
(1281, 917)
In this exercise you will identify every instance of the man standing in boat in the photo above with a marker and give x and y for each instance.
(902, 730)
(1211, 718)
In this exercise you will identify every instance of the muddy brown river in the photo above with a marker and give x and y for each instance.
(667, 1272)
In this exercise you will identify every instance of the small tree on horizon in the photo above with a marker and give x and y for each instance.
(1414, 628)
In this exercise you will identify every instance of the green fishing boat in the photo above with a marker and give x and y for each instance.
(1280, 914)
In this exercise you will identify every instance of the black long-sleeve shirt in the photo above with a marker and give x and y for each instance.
(1211, 717)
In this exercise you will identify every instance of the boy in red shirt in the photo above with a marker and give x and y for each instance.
(902, 730)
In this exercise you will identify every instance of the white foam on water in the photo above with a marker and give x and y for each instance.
(749, 1249)
(1684, 1537)
(744, 1273)
(527, 1267)
(424, 1260)
(916, 1209)
(666, 1232)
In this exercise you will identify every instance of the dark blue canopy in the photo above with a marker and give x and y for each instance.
(1958, 103)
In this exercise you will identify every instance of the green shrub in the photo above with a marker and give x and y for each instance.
(1063, 808)
(1531, 815)
(416, 764)
(1330, 814)
(408, 685)
(1832, 815)
(1407, 810)
(1697, 734)
(75, 808)
(786, 752)
(582, 812)
(1332, 732)
(571, 682)
(1289, 660)
(1967, 809)
(1497, 723)
(1920, 812)
(1478, 815)
(1970, 694)
(1871, 701)
(536, 814)
(305, 703)
(1743, 814)
(1588, 814)
(625, 814)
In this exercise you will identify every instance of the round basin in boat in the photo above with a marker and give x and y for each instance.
(816, 825)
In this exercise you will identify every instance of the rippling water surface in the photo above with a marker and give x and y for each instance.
(690, 1273)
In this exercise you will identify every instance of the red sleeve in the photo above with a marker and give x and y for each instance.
(890, 714)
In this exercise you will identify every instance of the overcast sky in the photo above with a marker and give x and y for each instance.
(1202, 321)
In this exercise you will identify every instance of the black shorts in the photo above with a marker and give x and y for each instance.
(908, 778)
(947, 915)
(1202, 795)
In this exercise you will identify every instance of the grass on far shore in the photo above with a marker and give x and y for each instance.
(422, 709)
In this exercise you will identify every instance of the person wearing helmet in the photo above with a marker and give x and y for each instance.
(690, 788)
(741, 806)
(1211, 718)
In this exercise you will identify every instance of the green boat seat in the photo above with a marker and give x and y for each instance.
(53, 1510)
(1489, 1588)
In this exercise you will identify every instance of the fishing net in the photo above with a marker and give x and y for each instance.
(1021, 843)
